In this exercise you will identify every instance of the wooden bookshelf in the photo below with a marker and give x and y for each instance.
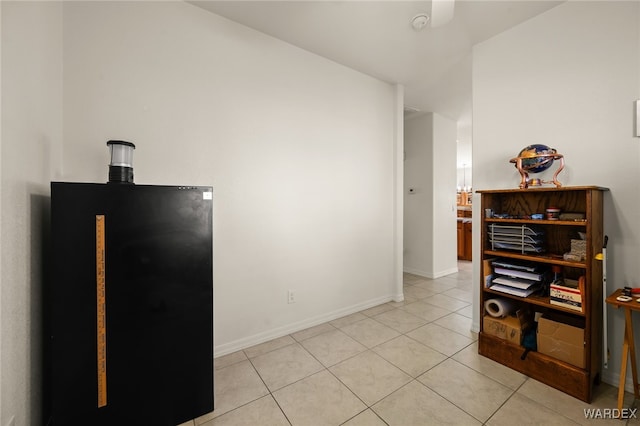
(516, 206)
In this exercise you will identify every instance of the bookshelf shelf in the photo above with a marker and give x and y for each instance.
(551, 259)
(542, 301)
(539, 221)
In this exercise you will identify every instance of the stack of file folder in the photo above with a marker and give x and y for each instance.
(522, 238)
(517, 279)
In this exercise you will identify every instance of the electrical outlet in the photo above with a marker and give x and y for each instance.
(291, 297)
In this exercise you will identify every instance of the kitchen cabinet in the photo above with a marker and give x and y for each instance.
(464, 229)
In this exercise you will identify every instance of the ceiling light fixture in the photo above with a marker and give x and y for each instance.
(420, 21)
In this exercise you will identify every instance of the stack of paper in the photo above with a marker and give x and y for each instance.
(516, 279)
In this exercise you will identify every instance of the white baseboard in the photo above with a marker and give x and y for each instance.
(613, 378)
(446, 272)
(431, 275)
(417, 272)
(267, 335)
(398, 298)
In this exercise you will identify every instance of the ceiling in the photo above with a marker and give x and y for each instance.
(376, 38)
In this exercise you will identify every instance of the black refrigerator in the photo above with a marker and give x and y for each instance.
(131, 304)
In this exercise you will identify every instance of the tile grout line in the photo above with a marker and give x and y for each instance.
(371, 349)
(456, 405)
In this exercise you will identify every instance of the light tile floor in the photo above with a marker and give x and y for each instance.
(410, 363)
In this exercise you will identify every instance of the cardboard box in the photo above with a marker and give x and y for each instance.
(567, 294)
(507, 328)
(562, 341)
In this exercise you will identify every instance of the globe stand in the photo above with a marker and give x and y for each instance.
(525, 182)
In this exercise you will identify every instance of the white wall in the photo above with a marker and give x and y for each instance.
(418, 205)
(31, 157)
(398, 185)
(567, 79)
(302, 154)
(299, 150)
(445, 242)
(1, 278)
(429, 211)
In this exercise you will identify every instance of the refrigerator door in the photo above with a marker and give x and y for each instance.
(154, 285)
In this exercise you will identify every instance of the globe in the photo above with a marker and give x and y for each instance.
(533, 164)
